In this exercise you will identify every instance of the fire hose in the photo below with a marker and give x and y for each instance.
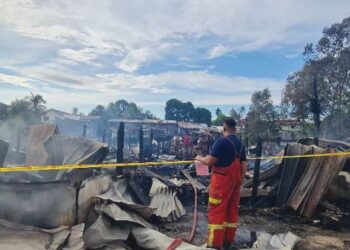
(177, 241)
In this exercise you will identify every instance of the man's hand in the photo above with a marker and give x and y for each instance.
(207, 160)
(199, 158)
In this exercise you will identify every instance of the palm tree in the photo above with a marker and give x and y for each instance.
(37, 103)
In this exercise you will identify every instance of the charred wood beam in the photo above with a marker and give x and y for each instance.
(257, 170)
(194, 182)
(145, 200)
(84, 131)
(120, 143)
(141, 144)
(3, 151)
(151, 145)
(151, 173)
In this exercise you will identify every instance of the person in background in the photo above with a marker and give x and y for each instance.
(187, 145)
(227, 162)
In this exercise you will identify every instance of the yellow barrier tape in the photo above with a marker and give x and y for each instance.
(144, 164)
(299, 156)
(86, 166)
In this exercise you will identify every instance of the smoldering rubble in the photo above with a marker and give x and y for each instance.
(124, 209)
(82, 209)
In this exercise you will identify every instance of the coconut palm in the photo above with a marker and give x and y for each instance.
(37, 103)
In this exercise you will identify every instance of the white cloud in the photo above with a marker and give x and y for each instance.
(125, 28)
(153, 90)
(78, 48)
(83, 55)
(16, 80)
(200, 87)
(218, 51)
(292, 55)
(134, 60)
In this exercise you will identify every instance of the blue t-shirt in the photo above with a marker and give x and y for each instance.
(225, 152)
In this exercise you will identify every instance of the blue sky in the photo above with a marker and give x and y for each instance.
(213, 53)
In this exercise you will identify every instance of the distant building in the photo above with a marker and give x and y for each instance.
(161, 128)
(189, 127)
(51, 115)
(289, 129)
(74, 125)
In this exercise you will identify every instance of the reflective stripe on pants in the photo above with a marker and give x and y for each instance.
(213, 229)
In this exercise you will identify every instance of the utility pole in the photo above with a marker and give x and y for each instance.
(151, 144)
(84, 131)
(141, 143)
(120, 142)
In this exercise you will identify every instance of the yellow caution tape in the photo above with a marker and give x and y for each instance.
(144, 164)
(299, 156)
(87, 166)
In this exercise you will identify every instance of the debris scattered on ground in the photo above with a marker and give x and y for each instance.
(267, 241)
(130, 209)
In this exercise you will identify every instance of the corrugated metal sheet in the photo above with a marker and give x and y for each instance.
(36, 153)
(16, 236)
(190, 125)
(45, 205)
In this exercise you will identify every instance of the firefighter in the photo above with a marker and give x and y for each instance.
(227, 162)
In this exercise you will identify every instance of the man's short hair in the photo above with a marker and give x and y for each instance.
(230, 123)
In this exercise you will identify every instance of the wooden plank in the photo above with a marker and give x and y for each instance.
(328, 171)
(290, 169)
(195, 182)
(150, 173)
(306, 181)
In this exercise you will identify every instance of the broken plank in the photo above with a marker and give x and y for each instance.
(195, 182)
(150, 173)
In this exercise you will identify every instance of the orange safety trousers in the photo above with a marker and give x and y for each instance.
(224, 195)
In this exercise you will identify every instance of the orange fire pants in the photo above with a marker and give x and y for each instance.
(224, 195)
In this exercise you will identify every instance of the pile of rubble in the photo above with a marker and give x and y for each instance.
(306, 185)
(122, 209)
(84, 209)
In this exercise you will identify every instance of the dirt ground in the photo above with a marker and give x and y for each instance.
(251, 224)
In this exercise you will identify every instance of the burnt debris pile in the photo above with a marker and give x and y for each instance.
(87, 208)
(308, 186)
(125, 208)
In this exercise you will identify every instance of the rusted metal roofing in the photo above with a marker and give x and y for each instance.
(153, 121)
(190, 125)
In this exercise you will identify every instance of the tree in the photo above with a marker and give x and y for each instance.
(21, 107)
(37, 103)
(75, 111)
(98, 111)
(237, 114)
(321, 88)
(202, 115)
(121, 109)
(3, 111)
(220, 119)
(179, 111)
(218, 112)
(234, 115)
(22, 115)
(262, 118)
